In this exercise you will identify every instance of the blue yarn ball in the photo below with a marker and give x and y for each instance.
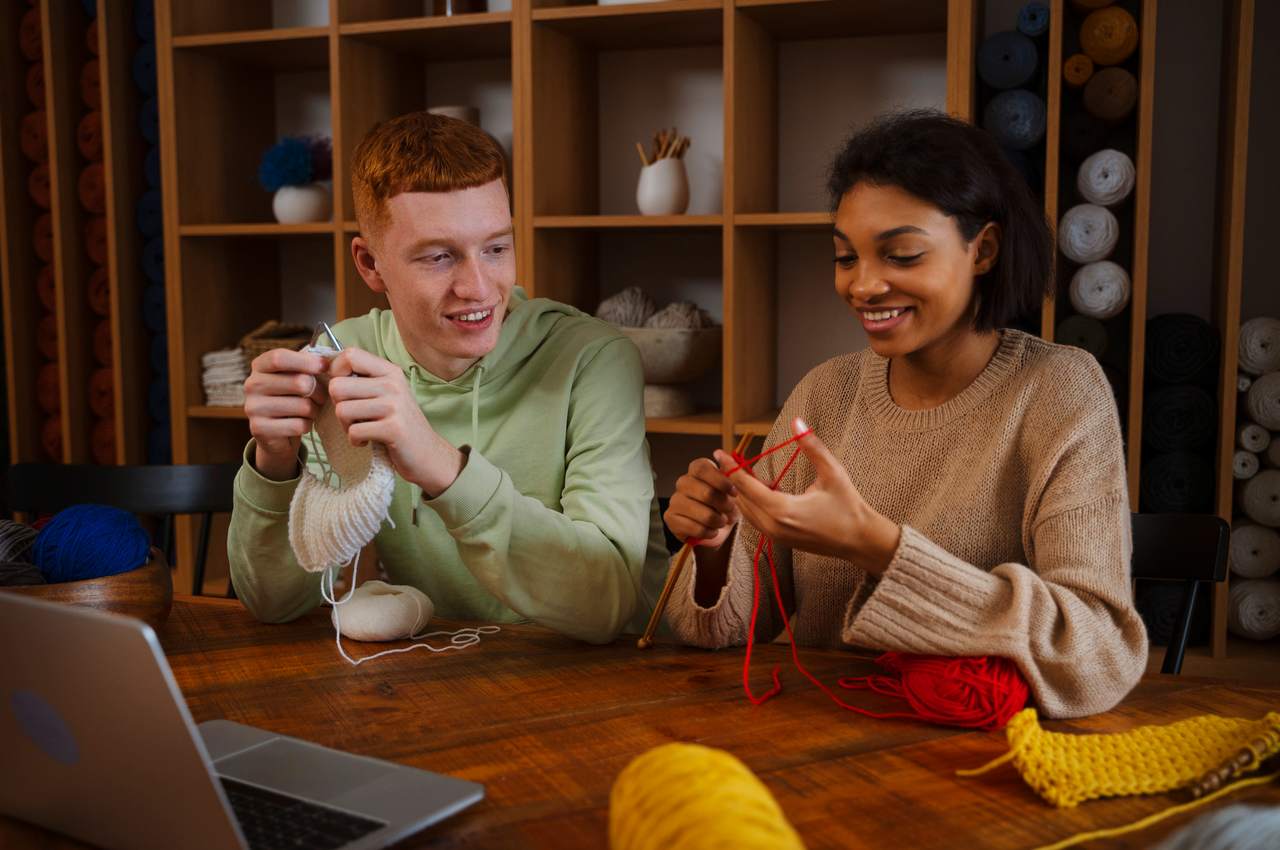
(151, 168)
(160, 355)
(1007, 59)
(149, 213)
(286, 163)
(159, 445)
(153, 308)
(1033, 19)
(89, 541)
(158, 400)
(153, 259)
(144, 69)
(149, 120)
(1016, 118)
(144, 20)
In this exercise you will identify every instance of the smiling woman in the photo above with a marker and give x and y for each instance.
(962, 489)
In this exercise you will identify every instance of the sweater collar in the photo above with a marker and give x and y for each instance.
(875, 380)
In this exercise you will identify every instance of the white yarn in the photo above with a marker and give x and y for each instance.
(1082, 332)
(1233, 828)
(379, 611)
(1263, 401)
(1252, 437)
(1243, 382)
(1253, 610)
(630, 308)
(1260, 498)
(1255, 550)
(1106, 178)
(1088, 233)
(1260, 345)
(1244, 465)
(681, 315)
(1100, 290)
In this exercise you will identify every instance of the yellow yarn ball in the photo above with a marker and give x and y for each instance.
(1109, 36)
(690, 797)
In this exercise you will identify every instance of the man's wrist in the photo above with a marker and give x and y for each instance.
(444, 470)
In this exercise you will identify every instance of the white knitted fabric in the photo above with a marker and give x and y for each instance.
(1106, 178)
(1100, 290)
(329, 526)
(1088, 233)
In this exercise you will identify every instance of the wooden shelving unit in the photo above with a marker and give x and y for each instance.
(64, 52)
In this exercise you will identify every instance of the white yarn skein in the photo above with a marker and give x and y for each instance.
(1106, 178)
(1263, 401)
(1260, 497)
(1253, 609)
(1255, 550)
(1088, 233)
(1260, 345)
(1243, 382)
(1245, 465)
(379, 611)
(1252, 437)
(1100, 290)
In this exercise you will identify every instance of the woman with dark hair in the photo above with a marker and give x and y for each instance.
(962, 487)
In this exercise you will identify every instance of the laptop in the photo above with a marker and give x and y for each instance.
(96, 742)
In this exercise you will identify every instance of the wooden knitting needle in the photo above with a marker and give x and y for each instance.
(640, 150)
(646, 640)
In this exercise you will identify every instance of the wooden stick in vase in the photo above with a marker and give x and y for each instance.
(640, 150)
(646, 640)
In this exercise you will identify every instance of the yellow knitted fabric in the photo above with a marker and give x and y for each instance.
(691, 797)
(1067, 769)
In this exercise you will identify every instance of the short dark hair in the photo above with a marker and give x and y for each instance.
(960, 169)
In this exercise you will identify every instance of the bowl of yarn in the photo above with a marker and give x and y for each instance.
(678, 344)
(90, 555)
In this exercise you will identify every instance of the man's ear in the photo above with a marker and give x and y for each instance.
(367, 264)
(988, 248)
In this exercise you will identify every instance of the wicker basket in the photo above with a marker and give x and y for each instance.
(273, 334)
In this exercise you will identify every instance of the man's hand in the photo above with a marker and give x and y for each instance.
(282, 396)
(373, 402)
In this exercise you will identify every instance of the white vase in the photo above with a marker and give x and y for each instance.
(663, 188)
(301, 204)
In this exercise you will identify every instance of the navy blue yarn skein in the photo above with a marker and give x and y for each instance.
(89, 541)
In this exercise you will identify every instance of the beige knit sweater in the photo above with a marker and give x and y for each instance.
(1015, 527)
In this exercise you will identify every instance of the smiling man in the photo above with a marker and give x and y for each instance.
(515, 425)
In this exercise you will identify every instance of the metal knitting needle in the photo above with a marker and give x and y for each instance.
(646, 640)
(323, 328)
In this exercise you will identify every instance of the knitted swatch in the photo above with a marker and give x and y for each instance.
(329, 526)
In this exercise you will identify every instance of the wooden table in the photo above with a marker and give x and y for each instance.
(547, 724)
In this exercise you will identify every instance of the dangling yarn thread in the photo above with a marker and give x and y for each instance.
(982, 692)
(90, 541)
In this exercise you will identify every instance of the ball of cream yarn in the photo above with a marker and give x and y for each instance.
(1260, 345)
(1106, 178)
(1255, 550)
(1253, 609)
(690, 797)
(1100, 290)
(630, 308)
(680, 314)
(1088, 233)
(379, 611)
(1263, 401)
(1260, 498)
(1252, 437)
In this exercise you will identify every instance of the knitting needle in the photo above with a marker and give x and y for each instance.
(646, 640)
(327, 331)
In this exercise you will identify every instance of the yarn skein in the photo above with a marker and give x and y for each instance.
(1100, 290)
(1255, 550)
(1088, 233)
(1244, 465)
(1253, 438)
(16, 540)
(1236, 827)
(89, 541)
(1243, 382)
(1260, 498)
(1253, 609)
(1082, 332)
(1106, 178)
(1263, 401)
(690, 797)
(1260, 346)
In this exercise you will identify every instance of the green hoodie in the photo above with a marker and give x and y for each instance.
(553, 518)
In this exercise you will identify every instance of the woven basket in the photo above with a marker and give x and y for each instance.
(273, 334)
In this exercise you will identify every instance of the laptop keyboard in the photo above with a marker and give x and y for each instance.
(272, 821)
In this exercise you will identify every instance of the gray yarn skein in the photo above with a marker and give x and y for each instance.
(1237, 827)
(16, 540)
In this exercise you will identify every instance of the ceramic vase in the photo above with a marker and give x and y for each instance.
(301, 204)
(663, 188)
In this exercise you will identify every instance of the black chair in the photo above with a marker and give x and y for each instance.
(1190, 548)
(160, 491)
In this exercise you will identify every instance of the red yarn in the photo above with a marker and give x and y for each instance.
(978, 693)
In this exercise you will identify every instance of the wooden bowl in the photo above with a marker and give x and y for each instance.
(145, 592)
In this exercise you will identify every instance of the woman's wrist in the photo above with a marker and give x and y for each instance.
(877, 542)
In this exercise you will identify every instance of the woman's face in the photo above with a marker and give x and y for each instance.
(904, 269)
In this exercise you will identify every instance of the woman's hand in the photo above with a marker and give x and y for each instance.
(830, 518)
(703, 505)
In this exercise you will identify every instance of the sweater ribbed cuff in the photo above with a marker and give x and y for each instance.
(260, 492)
(469, 493)
(925, 602)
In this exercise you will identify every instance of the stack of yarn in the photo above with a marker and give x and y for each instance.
(1015, 111)
(1254, 602)
(34, 142)
(150, 217)
(224, 375)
